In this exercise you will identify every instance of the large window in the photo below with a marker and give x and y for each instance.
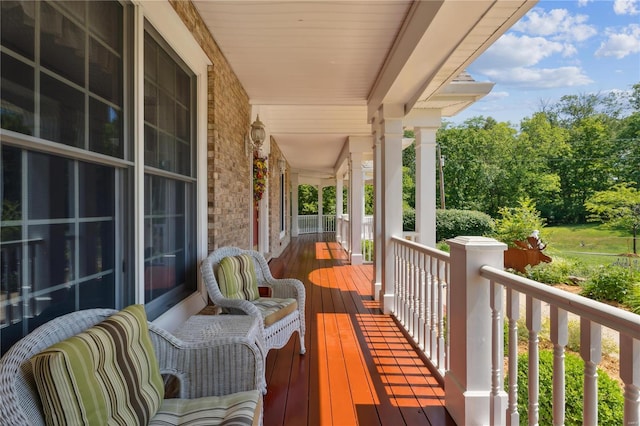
(67, 224)
(169, 187)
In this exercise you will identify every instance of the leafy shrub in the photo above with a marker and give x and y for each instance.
(408, 219)
(611, 283)
(610, 399)
(452, 223)
(556, 272)
(633, 299)
(517, 223)
(442, 246)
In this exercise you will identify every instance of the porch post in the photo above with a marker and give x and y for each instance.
(391, 200)
(356, 195)
(426, 185)
(339, 190)
(468, 381)
(376, 285)
(320, 230)
(295, 231)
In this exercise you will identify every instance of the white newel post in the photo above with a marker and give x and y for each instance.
(295, 231)
(356, 195)
(339, 190)
(468, 381)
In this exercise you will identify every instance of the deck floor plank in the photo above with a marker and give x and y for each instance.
(359, 368)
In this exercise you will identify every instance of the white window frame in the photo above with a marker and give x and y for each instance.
(169, 25)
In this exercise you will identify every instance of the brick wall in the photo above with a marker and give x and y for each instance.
(229, 170)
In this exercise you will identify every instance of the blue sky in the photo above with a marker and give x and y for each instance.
(559, 48)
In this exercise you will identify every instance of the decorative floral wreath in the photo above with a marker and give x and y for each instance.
(260, 172)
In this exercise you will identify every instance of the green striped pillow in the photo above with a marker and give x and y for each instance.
(237, 277)
(106, 374)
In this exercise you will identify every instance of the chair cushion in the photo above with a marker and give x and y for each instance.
(274, 309)
(242, 408)
(106, 374)
(237, 277)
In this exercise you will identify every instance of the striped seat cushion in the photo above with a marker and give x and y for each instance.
(237, 409)
(274, 309)
(107, 374)
(237, 277)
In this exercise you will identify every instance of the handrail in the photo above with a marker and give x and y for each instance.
(601, 313)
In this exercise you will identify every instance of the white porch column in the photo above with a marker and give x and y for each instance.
(426, 184)
(320, 214)
(295, 231)
(356, 195)
(468, 381)
(339, 189)
(391, 144)
(376, 285)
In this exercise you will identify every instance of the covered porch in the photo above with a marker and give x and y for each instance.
(359, 368)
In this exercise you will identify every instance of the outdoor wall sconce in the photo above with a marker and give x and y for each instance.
(257, 133)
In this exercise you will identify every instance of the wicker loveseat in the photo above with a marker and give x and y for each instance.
(276, 333)
(210, 392)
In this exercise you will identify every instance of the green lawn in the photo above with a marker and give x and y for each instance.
(592, 244)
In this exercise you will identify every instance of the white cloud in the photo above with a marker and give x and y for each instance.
(540, 78)
(496, 96)
(583, 3)
(626, 7)
(512, 51)
(558, 24)
(620, 44)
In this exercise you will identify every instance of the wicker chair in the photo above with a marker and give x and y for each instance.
(277, 334)
(217, 367)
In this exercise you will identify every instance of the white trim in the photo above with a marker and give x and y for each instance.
(166, 21)
(138, 151)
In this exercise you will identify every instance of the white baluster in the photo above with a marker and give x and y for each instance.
(440, 306)
(513, 314)
(591, 353)
(630, 375)
(559, 338)
(498, 412)
(534, 324)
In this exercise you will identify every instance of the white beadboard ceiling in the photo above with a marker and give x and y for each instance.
(319, 70)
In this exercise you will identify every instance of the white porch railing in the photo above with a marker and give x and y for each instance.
(484, 296)
(311, 224)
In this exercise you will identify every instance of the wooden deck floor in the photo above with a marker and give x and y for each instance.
(359, 369)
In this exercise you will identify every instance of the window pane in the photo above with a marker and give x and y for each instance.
(105, 129)
(166, 233)
(150, 146)
(105, 20)
(105, 77)
(16, 91)
(150, 103)
(62, 45)
(62, 113)
(168, 111)
(50, 188)
(52, 252)
(18, 26)
(97, 293)
(96, 190)
(97, 242)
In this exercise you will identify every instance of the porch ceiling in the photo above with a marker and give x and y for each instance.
(318, 71)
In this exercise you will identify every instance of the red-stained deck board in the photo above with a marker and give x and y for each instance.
(359, 368)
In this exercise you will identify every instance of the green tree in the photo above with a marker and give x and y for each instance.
(618, 207)
(307, 199)
(517, 223)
